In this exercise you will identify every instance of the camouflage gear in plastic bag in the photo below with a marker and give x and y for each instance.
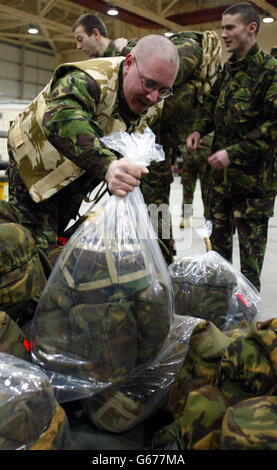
(27, 404)
(119, 409)
(209, 287)
(57, 436)
(108, 304)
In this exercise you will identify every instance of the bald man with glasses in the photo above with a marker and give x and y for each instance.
(87, 100)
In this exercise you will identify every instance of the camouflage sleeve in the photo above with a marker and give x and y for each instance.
(110, 51)
(262, 139)
(129, 46)
(69, 122)
(190, 55)
(203, 119)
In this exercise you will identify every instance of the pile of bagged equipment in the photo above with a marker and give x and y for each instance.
(127, 337)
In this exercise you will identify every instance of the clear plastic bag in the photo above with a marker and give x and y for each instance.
(209, 287)
(27, 403)
(119, 409)
(108, 305)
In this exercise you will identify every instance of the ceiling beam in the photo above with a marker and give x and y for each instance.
(48, 7)
(267, 7)
(131, 13)
(22, 14)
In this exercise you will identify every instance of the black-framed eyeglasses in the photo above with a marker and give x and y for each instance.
(149, 85)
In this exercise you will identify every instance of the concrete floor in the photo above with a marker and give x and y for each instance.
(188, 242)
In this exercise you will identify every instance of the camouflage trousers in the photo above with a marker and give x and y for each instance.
(250, 217)
(195, 165)
(155, 188)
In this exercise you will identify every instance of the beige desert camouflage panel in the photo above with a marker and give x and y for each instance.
(210, 64)
(43, 169)
(57, 436)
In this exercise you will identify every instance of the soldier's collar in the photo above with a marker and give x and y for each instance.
(233, 63)
(110, 50)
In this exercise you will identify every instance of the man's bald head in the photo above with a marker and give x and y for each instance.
(158, 47)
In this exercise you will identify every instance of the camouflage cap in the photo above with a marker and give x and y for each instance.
(251, 425)
(21, 274)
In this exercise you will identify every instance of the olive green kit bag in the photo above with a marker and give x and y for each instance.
(108, 304)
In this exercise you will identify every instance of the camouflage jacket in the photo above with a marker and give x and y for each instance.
(72, 124)
(242, 109)
(75, 108)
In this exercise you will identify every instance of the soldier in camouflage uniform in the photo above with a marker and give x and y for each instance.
(199, 55)
(92, 37)
(242, 109)
(57, 162)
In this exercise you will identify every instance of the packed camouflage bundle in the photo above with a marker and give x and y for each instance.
(119, 409)
(107, 307)
(30, 416)
(202, 287)
(21, 275)
(224, 397)
(209, 287)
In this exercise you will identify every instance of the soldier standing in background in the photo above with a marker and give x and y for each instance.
(242, 110)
